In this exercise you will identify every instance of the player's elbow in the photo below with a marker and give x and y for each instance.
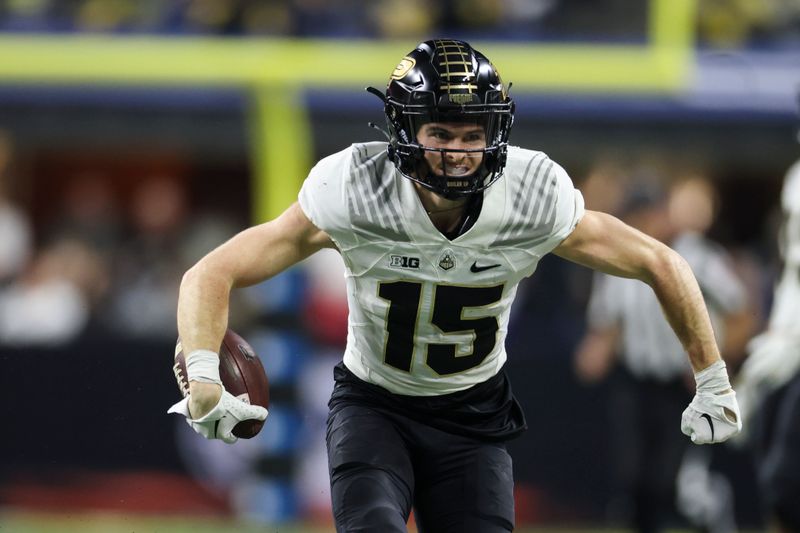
(191, 278)
(204, 274)
(663, 266)
(194, 275)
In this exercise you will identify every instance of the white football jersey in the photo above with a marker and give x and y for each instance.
(429, 316)
(786, 305)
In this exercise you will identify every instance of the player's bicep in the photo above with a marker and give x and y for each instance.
(262, 251)
(603, 242)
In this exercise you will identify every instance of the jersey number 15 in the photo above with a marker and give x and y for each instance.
(448, 305)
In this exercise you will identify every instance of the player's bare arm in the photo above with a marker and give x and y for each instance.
(252, 256)
(604, 243)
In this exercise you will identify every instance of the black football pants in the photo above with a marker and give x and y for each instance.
(778, 454)
(383, 464)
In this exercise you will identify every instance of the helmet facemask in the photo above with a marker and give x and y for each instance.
(493, 119)
(447, 82)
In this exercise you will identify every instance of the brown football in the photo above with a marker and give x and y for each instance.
(242, 375)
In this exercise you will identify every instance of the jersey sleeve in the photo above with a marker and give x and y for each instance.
(790, 194)
(789, 238)
(568, 207)
(322, 196)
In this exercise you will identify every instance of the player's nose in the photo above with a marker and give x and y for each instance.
(452, 154)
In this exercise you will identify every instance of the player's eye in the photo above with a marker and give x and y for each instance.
(474, 137)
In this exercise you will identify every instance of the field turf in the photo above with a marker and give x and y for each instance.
(18, 522)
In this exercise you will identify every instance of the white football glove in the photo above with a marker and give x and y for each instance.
(713, 415)
(220, 421)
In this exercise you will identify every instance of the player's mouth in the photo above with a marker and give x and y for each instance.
(459, 170)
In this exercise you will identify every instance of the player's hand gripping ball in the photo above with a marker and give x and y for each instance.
(242, 376)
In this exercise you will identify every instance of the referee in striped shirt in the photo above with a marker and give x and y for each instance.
(652, 379)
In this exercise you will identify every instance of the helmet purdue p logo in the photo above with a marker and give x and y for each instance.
(406, 64)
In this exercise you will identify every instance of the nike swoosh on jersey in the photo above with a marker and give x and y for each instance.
(476, 268)
(710, 424)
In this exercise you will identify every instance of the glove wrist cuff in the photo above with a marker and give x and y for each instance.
(203, 366)
(713, 379)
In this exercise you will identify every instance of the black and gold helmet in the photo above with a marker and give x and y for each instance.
(447, 81)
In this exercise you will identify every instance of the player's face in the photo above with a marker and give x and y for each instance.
(454, 137)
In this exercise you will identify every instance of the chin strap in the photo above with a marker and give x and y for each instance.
(376, 127)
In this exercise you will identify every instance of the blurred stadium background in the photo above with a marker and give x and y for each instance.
(137, 134)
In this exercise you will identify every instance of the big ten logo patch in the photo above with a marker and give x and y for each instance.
(403, 261)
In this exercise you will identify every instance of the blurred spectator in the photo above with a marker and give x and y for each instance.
(651, 383)
(106, 15)
(334, 18)
(211, 16)
(743, 23)
(693, 206)
(30, 15)
(160, 245)
(149, 267)
(459, 16)
(207, 230)
(89, 211)
(272, 17)
(397, 19)
(605, 184)
(524, 19)
(326, 304)
(720, 23)
(410, 19)
(315, 387)
(50, 302)
(15, 228)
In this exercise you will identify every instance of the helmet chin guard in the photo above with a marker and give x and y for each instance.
(447, 81)
(442, 183)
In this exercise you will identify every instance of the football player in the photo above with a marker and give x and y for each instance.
(770, 378)
(436, 229)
